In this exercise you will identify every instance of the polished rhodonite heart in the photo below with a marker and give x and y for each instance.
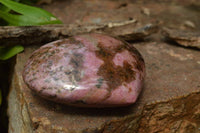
(89, 70)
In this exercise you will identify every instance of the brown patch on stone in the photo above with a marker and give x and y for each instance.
(113, 74)
(129, 90)
(138, 57)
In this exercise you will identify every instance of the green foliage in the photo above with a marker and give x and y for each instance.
(8, 52)
(25, 15)
(18, 14)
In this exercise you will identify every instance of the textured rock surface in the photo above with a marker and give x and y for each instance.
(172, 89)
(168, 103)
(184, 38)
(128, 30)
(92, 70)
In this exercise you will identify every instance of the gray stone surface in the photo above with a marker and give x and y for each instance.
(169, 101)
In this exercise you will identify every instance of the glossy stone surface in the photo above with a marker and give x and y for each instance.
(90, 70)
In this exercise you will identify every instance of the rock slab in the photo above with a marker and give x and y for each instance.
(169, 102)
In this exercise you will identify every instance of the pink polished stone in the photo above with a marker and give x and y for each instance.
(90, 70)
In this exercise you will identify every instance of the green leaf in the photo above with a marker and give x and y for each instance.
(8, 52)
(4, 8)
(28, 2)
(29, 15)
(21, 20)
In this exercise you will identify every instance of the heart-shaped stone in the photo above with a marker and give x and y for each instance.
(89, 70)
